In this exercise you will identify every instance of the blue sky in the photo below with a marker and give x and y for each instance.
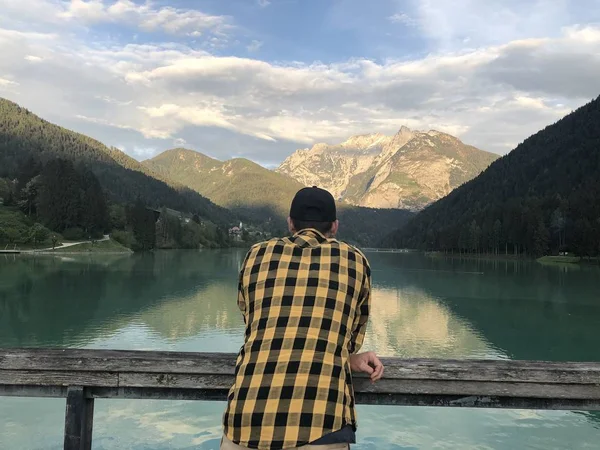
(261, 78)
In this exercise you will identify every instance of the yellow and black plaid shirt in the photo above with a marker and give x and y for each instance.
(305, 302)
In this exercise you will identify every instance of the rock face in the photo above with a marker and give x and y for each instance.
(408, 170)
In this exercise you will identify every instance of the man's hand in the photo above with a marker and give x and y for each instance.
(368, 363)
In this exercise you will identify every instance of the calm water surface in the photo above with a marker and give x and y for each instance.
(422, 307)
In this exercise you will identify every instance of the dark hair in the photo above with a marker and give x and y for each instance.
(323, 227)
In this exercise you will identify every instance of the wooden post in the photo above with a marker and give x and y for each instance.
(88, 423)
(79, 419)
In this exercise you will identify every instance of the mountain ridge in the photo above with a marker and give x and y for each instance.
(409, 170)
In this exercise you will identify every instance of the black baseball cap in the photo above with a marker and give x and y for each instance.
(313, 204)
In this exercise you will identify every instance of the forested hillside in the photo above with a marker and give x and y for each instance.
(24, 136)
(543, 197)
(238, 184)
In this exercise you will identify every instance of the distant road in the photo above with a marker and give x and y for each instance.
(106, 237)
(387, 250)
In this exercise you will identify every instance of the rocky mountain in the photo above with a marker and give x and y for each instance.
(543, 197)
(263, 195)
(408, 170)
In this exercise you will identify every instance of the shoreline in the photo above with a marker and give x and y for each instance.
(547, 259)
(46, 253)
(483, 257)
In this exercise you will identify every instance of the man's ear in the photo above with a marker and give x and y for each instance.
(335, 227)
(291, 226)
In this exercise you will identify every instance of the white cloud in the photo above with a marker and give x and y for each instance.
(103, 122)
(142, 153)
(6, 83)
(145, 16)
(452, 23)
(92, 10)
(160, 90)
(255, 46)
(263, 3)
(9, 34)
(305, 103)
(113, 101)
(179, 142)
(403, 19)
(32, 58)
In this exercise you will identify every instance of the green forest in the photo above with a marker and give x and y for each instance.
(57, 201)
(542, 198)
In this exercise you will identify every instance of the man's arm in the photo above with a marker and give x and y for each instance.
(241, 301)
(361, 316)
(364, 362)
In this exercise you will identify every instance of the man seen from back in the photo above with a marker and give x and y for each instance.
(305, 300)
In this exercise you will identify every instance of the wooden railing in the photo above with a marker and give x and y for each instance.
(81, 376)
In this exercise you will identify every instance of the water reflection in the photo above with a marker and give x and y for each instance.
(422, 307)
(48, 302)
(407, 322)
(526, 310)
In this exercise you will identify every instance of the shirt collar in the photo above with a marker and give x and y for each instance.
(309, 238)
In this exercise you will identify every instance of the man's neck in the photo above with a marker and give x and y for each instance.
(328, 235)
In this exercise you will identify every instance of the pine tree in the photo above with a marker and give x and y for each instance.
(497, 234)
(143, 225)
(10, 199)
(29, 196)
(540, 239)
(59, 205)
(94, 212)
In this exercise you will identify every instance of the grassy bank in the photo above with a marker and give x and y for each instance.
(559, 259)
(568, 260)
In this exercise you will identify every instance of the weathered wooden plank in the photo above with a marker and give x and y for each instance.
(109, 354)
(78, 420)
(57, 378)
(482, 388)
(183, 381)
(460, 401)
(116, 355)
(8, 390)
(499, 371)
(192, 363)
(364, 398)
(218, 363)
(384, 386)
